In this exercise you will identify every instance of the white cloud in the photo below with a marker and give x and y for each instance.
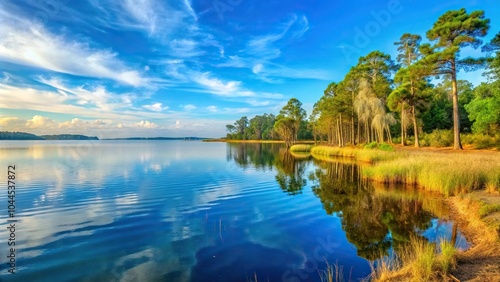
(108, 128)
(96, 96)
(95, 103)
(24, 43)
(146, 124)
(258, 103)
(184, 48)
(156, 107)
(264, 46)
(218, 87)
(11, 122)
(257, 68)
(212, 109)
(189, 107)
(41, 122)
(143, 12)
(190, 9)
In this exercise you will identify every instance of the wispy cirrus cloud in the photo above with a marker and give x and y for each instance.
(189, 107)
(261, 52)
(266, 47)
(95, 102)
(96, 97)
(25, 43)
(212, 109)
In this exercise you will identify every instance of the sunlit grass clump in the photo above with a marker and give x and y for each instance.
(369, 156)
(419, 260)
(446, 173)
(301, 148)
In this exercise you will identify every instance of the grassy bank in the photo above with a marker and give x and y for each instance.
(419, 260)
(449, 173)
(369, 156)
(243, 141)
(482, 261)
(471, 181)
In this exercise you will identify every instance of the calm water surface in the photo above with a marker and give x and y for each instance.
(193, 211)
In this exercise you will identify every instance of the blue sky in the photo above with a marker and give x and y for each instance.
(188, 67)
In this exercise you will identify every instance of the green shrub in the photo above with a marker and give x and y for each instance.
(385, 147)
(438, 138)
(481, 141)
(371, 146)
(381, 146)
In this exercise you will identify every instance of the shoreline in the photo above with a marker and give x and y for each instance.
(480, 262)
(476, 209)
(253, 141)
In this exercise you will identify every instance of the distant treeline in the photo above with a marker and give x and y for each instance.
(68, 137)
(6, 135)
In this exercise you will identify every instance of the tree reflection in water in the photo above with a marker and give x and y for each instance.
(374, 218)
(373, 222)
(291, 171)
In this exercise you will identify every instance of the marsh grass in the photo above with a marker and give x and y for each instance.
(369, 156)
(419, 260)
(332, 273)
(301, 148)
(447, 173)
(447, 260)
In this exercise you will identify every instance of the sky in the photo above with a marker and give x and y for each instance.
(179, 68)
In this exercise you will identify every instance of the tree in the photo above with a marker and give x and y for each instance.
(293, 114)
(241, 126)
(371, 113)
(256, 126)
(452, 31)
(376, 68)
(231, 129)
(484, 109)
(494, 61)
(404, 97)
(285, 127)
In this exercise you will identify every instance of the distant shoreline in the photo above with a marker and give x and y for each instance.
(19, 136)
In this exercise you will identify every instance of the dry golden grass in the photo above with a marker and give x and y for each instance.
(369, 156)
(482, 261)
(246, 141)
(419, 260)
(301, 148)
(449, 173)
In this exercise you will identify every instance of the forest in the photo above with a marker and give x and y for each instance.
(413, 99)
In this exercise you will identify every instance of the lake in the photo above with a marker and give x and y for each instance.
(195, 211)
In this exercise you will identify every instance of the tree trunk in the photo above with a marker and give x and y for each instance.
(367, 132)
(352, 120)
(358, 137)
(415, 128)
(457, 145)
(341, 132)
(338, 133)
(403, 123)
(389, 136)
